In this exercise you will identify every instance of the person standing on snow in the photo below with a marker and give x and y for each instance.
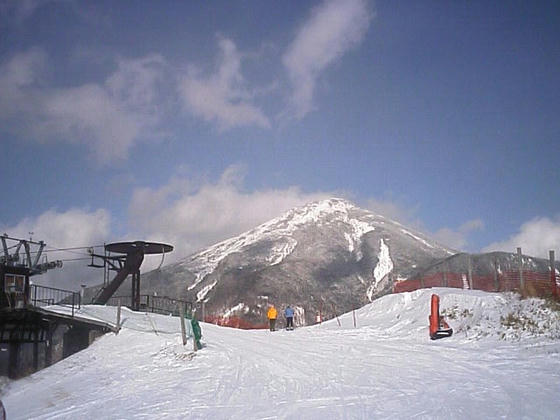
(289, 314)
(272, 314)
(197, 332)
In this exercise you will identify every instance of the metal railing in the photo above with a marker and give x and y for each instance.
(156, 304)
(41, 296)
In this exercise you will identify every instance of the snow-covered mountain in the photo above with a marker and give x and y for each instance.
(326, 257)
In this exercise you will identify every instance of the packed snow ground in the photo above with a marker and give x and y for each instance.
(502, 362)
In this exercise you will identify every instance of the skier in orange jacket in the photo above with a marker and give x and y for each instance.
(272, 314)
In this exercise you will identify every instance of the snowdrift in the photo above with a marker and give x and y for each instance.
(503, 361)
(473, 314)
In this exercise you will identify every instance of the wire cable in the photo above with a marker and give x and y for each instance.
(75, 259)
(71, 250)
(74, 248)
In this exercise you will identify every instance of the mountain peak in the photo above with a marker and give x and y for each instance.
(331, 204)
(317, 210)
(327, 250)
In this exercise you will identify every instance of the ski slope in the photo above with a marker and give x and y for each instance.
(502, 362)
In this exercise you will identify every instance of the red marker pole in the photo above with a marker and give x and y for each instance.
(434, 316)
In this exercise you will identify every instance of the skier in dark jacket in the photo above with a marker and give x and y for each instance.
(289, 314)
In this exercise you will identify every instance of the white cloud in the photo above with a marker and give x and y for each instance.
(458, 238)
(392, 210)
(222, 97)
(194, 216)
(187, 214)
(19, 81)
(22, 69)
(21, 9)
(88, 114)
(455, 238)
(65, 229)
(69, 229)
(536, 237)
(109, 117)
(135, 82)
(333, 28)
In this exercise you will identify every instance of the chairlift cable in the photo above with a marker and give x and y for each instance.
(75, 259)
(72, 248)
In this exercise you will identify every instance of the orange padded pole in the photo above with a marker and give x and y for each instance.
(434, 316)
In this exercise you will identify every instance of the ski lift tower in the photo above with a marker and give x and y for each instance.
(15, 269)
(127, 263)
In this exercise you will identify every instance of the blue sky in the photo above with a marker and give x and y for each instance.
(189, 122)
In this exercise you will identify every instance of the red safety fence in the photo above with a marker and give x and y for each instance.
(235, 322)
(534, 283)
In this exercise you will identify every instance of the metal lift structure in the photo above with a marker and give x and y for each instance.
(128, 260)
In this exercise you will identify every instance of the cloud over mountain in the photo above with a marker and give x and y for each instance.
(333, 28)
(192, 215)
(535, 237)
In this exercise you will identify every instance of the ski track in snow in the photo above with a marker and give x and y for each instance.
(385, 368)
